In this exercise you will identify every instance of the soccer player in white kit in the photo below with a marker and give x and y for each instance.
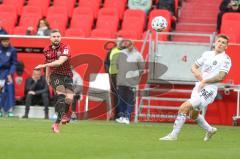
(211, 68)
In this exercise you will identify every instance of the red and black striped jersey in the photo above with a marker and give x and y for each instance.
(51, 54)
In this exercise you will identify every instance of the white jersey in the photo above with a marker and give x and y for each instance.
(211, 64)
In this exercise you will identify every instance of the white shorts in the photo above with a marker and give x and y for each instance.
(202, 99)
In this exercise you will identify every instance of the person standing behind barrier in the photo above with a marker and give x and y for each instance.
(59, 75)
(110, 68)
(8, 61)
(77, 84)
(36, 90)
(130, 66)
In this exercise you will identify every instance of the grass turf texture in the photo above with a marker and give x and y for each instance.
(33, 139)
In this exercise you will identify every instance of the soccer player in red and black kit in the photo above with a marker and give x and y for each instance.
(59, 76)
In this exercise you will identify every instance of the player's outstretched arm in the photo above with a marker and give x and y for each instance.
(55, 63)
(58, 62)
(218, 78)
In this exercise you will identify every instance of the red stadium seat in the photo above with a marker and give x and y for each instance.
(119, 5)
(135, 13)
(108, 18)
(43, 4)
(134, 20)
(75, 32)
(230, 26)
(83, 11)
(160, 12)
(69, 4)
(20, 30)
(57, 10)
(7, 21)
(108, 12)
(83, 22)
(57, 21)
(109, 23)
(234, 37)
(231, 29)
(94, 4)
(102, 33)
(231, 16)
(17, 3)
(29, 20)
(9, 9)
(133, 25)
(32, 10)
(128, 34)
(57, 18)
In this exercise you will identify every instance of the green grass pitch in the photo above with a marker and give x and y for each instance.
(33, 139)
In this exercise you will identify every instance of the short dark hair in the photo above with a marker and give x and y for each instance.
(223, 36)
(55, 31)
(4, 39)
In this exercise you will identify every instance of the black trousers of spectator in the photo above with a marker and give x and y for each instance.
(127, 98)
(36, 99)
(114, 95)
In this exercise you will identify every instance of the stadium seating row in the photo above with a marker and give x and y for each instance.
(81, 19)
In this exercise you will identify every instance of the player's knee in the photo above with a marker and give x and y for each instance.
(193, 114)
(185, 108)
(69, 100)
(60, 89)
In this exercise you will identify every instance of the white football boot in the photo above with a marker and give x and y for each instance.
(169, 137)
(209, 134)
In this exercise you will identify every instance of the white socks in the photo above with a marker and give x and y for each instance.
(180, 120)
(203, 123)
(178, 124)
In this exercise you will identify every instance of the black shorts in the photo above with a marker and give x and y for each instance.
(61, 80)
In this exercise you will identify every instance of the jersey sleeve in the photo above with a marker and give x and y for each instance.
(226, 65)
(199, 62)
(66, 51)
